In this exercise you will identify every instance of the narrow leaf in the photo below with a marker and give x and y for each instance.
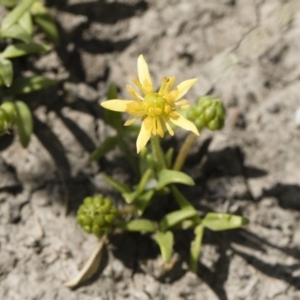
(6, 71)
(165, 241)
(24, 122)
(27, 85)
(176, 217)
(141, 225)
(218, 222)
(108, 145)
(16, 32)
(16, 14)
(90, 268)
(119, 186)
(112, 92)
(17, 50)
(196, 248)
(44, 20)
(166, 177)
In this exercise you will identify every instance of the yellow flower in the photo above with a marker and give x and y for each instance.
(155, 109)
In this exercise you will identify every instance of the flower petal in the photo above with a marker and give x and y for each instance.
(143, 72)
(170, 130)
(116, 104)
(130, 121)
(143, 137)
(184, 86)
(184, 123)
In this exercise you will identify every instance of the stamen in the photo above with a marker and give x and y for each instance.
(173, 115)
(136, 108)
(167, 109)
(171, 96)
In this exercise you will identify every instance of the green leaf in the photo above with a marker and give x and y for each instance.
(26, 23)
(113, 118)
(218, 222)
(119, 186)
(132, 196)
(196, 248)
(169, 157)
(129, 197)
(142, 201)
(142, 225)
(16, 32)
(27, 85)
(6, 71)
(166, 177)
(44, 20)
(16, 14)
(24, 122)
(165, 241)
(21, 49)
(175, 217)
(108, 145)
(112, 92)
(8, 3)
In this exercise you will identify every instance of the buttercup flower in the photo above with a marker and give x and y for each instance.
(155, 109)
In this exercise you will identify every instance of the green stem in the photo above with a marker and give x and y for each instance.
(180, 199)
(184, 151)
(158, 153)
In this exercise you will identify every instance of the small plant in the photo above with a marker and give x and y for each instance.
(159, 173)
(18, 26)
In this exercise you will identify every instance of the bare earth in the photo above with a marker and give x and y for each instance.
(246, 52)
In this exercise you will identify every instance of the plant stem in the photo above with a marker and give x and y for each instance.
(158, 153)
(184, 151)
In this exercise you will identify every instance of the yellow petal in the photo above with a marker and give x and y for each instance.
(133, 93)
(116, 104)
(130, 121)
(143, 138)
(183, 87)
(170, 130)
(184, 123)
(143, 73)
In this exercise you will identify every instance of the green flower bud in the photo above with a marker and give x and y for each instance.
(208, 112)
(97, 215)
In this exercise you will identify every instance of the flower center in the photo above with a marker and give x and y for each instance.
(155, 105)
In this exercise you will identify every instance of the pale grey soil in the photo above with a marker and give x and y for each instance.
(245, 52)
